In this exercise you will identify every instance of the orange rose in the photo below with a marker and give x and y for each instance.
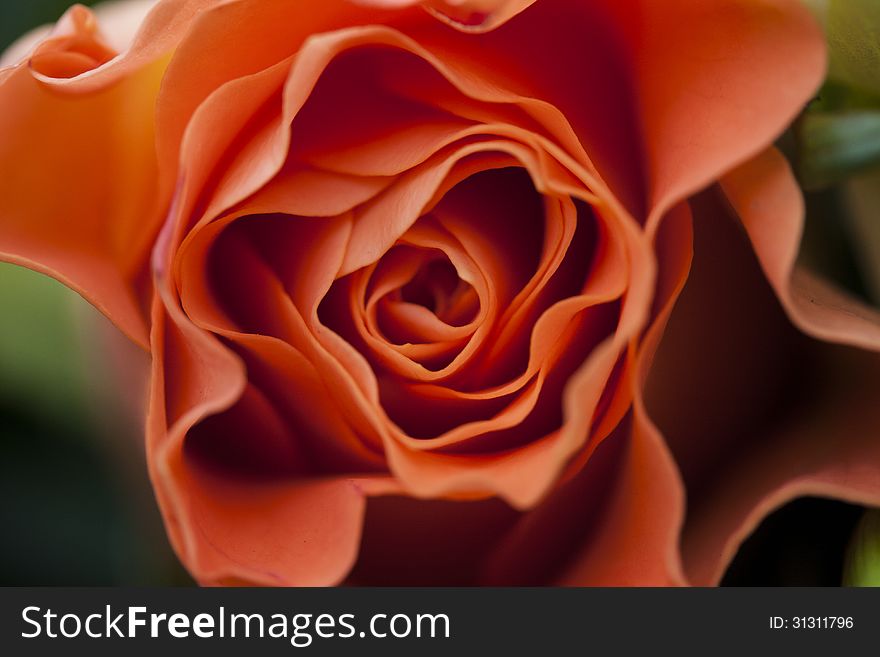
(402, 274)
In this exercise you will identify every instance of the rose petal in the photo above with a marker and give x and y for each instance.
(97, 245)
(477, 15)
(636, 541)
(267, 33)
(603, 137)
(300, 533)
(468, 15)
(755, 413)
(833, 449)
(78, 195)
(410, 542)
(716, 82)
(766, 196)
(159, 32)
(268, 138)
(218, 522)
(616, 521)
(830, 450)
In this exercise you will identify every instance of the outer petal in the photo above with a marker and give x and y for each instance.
(767, 199)
(78, 171)
(757, 414)
(59, 212)
(294, 533)
(837, 446)
(831, 451)
(238, 526)
(716, 82)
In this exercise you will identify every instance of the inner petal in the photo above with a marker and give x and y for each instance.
(418, 296)
(425, 308)
(421, 306)
(437, 287)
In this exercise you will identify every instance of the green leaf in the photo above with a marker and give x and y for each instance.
(853, 28)
(863, 564)
(41, 365)
(835, 145)
(861, 215)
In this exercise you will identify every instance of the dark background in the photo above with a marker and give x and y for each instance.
(75, 503)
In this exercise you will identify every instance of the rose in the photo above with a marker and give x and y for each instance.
(402, 274)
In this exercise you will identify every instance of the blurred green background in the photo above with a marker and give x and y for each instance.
(76, 504)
